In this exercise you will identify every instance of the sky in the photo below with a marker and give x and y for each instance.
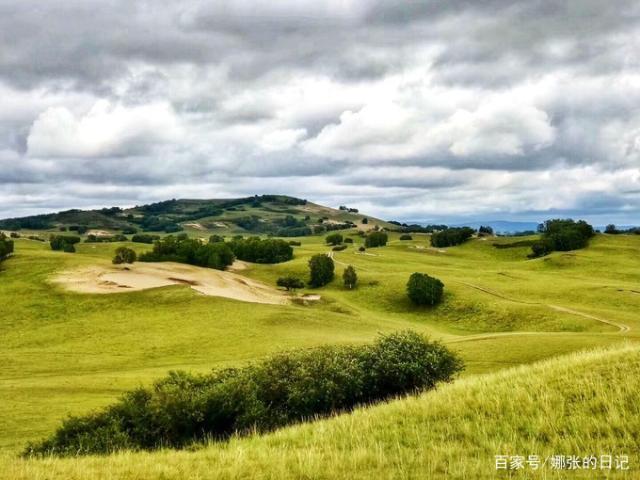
(422, 110)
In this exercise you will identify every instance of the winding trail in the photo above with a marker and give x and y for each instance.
(622, 328)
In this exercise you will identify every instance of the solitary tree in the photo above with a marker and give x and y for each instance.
(321, 269)
(290, 282)
(611, 229)
(423, 289)
(350, 277)
(334, 239)
(124, 255)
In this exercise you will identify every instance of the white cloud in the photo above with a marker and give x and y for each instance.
(106, 130)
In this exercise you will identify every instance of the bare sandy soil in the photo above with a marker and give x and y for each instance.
(142, 276)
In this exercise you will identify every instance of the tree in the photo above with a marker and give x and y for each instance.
(365, 220)
(406, 236)
(63, 242)
(451, 237)
(124, 255)
(485, 230)
(290, 282)
(6, 246)
(321, 269)
(334, 239)
(350, 277)
(376, 239)
(423, 289)
(216, 239)
(611, 229)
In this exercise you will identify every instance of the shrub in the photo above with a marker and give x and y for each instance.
(290, 283)
(406, 236)
(256, 250)
(14, 235)
(144, 238)
(124, 255)
(216, 239)
(295, 243)
(129, 231)
(187, 250)
(451, 237)
(562, 235)
(321, 269)
(361, 248)
(423, 289)
(6, 246)
(281, 390)
(365, 220)
(350, 277)
(334, 239)
(63, 242)
(339, 248)
(348, 240)
(376, 239)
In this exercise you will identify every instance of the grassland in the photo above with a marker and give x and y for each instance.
(70, 353)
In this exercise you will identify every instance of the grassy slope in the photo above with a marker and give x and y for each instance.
(68, 353)
(583, 404)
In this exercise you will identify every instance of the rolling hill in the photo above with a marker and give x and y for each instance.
(261, 214)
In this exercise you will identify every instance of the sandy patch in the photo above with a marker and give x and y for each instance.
(100, 233)
(238, 265)
(196, 226)
(142, 276)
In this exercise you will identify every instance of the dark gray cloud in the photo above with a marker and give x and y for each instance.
(409, 110)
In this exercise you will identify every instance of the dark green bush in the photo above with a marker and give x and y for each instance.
(6, 246)
(423, 289)
(189, 250)
(321, 270)
(348, 240)
(295, 243)
(562, 235)
(283, 389)
(339, 248)
(406, 236)
(254, 249)
(63, 242)
(290, 282)
(334, 239)
(124, 255)
(451, 237)
(376, 239)
(144, 238)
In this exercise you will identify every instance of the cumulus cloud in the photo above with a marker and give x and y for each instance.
(412, 111)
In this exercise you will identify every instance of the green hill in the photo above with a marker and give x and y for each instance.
(581, 405)
(261, 214)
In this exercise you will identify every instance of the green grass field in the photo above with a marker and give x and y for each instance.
(66, 353)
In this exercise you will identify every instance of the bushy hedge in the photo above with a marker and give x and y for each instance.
(257, 250)
(283, 389)
(423, 289)
(145, 238)
(376, 239)
(63, 242)
(562, 235)
(6, 246)
(188, 250)
(406, 236)
(451, 237)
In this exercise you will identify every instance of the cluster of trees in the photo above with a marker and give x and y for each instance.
(451, 237)
(344, 208)
(334, 239)
(65, 243)
(290, 282)
(376, 239)
(124, 255)
(423, 289)
(104, 239)
(254, 249)
(185, 408)
(6, 246)
(406, 236)
(611, 229)
(562, 235)
(485, 230)
(144, 238)
(192, 251)
(415, 228)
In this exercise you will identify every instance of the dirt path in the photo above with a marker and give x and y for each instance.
(622, 328)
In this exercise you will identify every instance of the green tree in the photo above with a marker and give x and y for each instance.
(334, 239)
(290, 282)
(321, 269)
(423, 289)
(350, 277)
(124, 255)
(376, 239)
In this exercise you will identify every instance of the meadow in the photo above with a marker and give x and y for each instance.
(69, 353)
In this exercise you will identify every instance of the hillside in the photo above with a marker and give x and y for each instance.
(266, 214)
(583, 404)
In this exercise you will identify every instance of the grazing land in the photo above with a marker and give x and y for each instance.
(71, 352)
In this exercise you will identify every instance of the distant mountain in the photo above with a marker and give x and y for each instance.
(501, 226)
(278, 215)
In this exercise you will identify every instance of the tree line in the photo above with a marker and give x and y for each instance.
(562, 235)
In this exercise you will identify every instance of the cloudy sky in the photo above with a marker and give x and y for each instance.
(421, 110)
